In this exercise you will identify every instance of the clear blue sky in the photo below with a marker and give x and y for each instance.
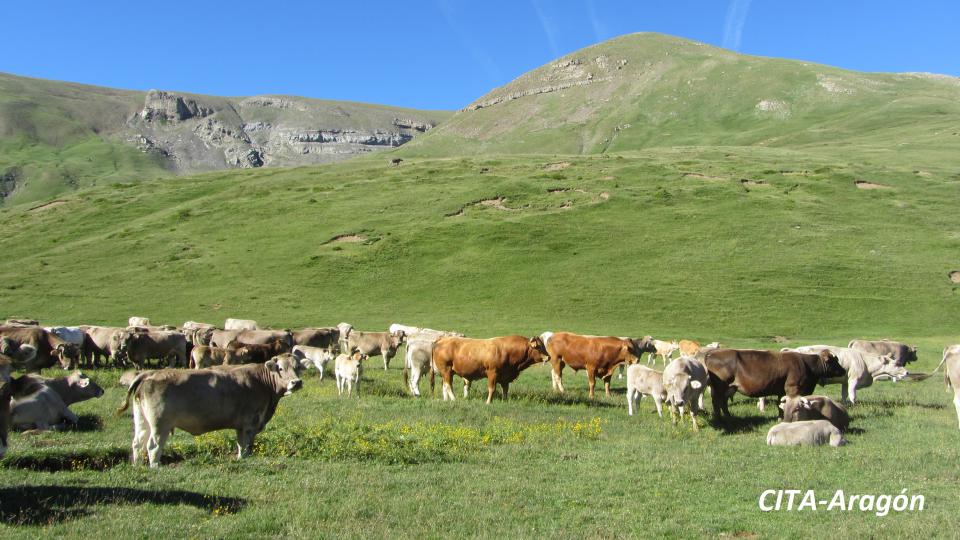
(438, 54)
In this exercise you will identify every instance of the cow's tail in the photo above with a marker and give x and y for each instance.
(134, 386)
(940, 365)
(433, 372)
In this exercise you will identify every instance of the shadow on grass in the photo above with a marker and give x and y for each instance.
(731, 425)
(86, 460)
(47, 505)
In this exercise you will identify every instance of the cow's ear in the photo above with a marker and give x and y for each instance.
(271, 365)
(695, 385)
(84, 382)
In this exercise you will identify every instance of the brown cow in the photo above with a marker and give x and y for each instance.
(324, 338)
(50, 348)
(225, 338)
(761, 373)
(598, 355)
(499, 359)
(202, 357)
(258, 354)
(138, 347)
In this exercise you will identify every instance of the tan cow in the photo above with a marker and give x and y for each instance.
(688, 347)
(203, 356)
(499, 359)
(599, 355)
(243, 398)
(685, 380)
(376, 344)
(797, 408)
(347, 369)
(641, 381)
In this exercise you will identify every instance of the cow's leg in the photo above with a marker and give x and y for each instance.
(606, 383)
(140, 434)
(506, 390)
(447, 389)
(620, 371)
(851, 392)
(466, 389)
(693, 418)
(762, 404)
(414, 380)
(659, 403)
(673, 412)
(158, 438)
(491, 386)
(591, 379)
(718, 394)
(385, 353)
(779, 410)
(630, 401)
(356, 384)
(557, 375)
(339, 384)
(956, 402)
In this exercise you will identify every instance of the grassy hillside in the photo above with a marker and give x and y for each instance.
(57, 136)
(713, 242)
(650, 90)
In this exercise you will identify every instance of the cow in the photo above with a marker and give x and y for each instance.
(598, 355)
(951, 375)
(317, 357)
(70, 334)
(663, 349)
(862, 368)
(260, 353)
(344, 328)
(684, 380)
(240, 324)
(138, 347)
(243, 398)
(138, 321)
(761, 373)
(49, 348)
(34, 406)
(416, 361)
(499, 359)
(325, 338)
(98, 343)
(225, 338)
(641, 381)
(203, 356)
(347, 369)
(688, 347)
(640, 346)
(375, 344)
(5, 392)
(805, 433)
(798, 408)
(23, 322)
(901, 353)
(412, 332)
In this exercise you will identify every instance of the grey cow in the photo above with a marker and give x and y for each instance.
(805, 433)
(375, 344)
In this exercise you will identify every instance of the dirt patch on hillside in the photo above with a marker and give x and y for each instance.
(605, 195)
(348, 239)
(495, 203)
(47, 206)
(923, 174)
(559, 166)
(559, 190)
(954, 276)
(700, 176)
(752, 183)
(863, 184)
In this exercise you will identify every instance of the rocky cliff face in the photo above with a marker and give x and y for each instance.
(195, 133)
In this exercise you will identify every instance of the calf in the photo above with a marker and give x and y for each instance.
(313, 356)
(688, 347)
(348, 368)
(815, 408)
(641, 381)
(760, 373)
(663, 349)
(375, 344)
(499, 359)
(805, 433)
(243, 398)
(684, 381)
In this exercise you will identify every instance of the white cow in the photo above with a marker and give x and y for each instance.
(951, 357)
(684, 380)
(240, 324)
(348, 369)
(641, 381)
(862, 368)
(317, 357)
(805, 433)
(419, 355)
(138, 321)
(665, 350)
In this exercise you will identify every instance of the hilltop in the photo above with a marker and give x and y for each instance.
(55, 136)
(650, 90)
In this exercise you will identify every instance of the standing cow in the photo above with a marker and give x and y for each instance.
(761, 373)
(685, 380)
(240, 324)
(641, 380)
(951, 376)
(242, 398)
(901, 353)
(99, 342)
(598, 355)
(419, 352)
(862, 368)
(499, 359)
(324, 338)
(138, 347)
(375, 344)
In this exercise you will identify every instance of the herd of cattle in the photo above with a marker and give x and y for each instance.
(205, 378)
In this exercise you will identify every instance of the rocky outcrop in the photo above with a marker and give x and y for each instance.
(8, 182)
(205, 133)
(161, 106)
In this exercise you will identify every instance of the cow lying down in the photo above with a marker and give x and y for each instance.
(241, 398)
(41, 403)
(805, 433)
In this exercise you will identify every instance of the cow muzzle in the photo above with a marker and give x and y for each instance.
(293, 386)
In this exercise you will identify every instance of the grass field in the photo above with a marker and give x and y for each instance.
(743, 245)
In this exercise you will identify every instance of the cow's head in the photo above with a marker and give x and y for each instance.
(910, 355)
(120, 343)
(359, 356)
(681, 389)
(398, 337)
(831, 364)
(643, 345)
(68, 354)
(537, 350)
(285, 370)
(86, 386)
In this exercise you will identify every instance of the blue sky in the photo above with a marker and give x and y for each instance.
(437, 54)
